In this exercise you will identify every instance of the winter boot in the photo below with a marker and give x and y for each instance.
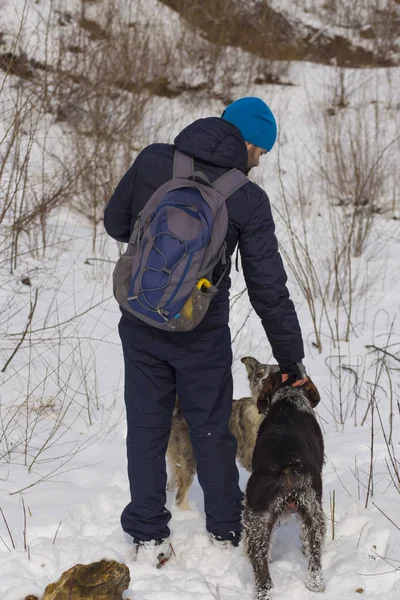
(158, 552)
(232, 538)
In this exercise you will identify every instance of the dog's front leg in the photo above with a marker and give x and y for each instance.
(313, 535)
(258, 529)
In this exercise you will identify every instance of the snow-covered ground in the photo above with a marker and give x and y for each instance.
(77, 486)
(63, 475)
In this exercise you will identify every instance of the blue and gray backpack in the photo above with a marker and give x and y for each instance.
(165, 276)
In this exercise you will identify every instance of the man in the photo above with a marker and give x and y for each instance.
(196, 365)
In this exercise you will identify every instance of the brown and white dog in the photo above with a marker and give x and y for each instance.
(244, 423)
(286, 478)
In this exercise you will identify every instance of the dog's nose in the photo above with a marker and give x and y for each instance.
(292, 507)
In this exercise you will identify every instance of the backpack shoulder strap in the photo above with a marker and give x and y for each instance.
(183, 165)
(230, 182)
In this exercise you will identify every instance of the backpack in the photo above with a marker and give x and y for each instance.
(165, 276)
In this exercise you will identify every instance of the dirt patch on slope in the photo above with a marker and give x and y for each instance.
(266, 32)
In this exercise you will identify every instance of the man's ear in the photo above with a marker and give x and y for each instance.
(250, 363)
(312, 392)
(271, 385)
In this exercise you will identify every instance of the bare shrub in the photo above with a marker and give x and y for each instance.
(353, 169)
(377, 394)
(219, 70)
(317, 257)
(98, 86)
(59, 390)
(323, 254)
(16, 147)
(31, 185)
(357, 172)
(102, 66)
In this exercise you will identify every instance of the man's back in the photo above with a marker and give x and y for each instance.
(218, 146)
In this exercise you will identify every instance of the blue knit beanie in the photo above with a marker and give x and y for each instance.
(255, 121)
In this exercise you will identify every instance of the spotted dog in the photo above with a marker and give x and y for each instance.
(286, 478)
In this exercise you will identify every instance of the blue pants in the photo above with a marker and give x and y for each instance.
(197, 367)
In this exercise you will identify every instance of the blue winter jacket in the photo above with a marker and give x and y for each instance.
(218, 146)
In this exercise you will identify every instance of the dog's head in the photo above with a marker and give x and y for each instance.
(273, 383)
(257, 372)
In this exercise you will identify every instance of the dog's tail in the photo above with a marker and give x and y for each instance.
(291, 466)
(177, 408)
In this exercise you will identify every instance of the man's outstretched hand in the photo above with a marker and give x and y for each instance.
(297, 369)
(297, 383)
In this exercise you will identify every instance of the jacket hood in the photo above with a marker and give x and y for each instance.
(215, 142)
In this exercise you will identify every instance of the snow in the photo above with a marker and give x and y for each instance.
(62, 429)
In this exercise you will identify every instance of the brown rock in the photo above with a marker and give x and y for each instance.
(104, 580)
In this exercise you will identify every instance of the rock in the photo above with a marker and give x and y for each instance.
(104, 580)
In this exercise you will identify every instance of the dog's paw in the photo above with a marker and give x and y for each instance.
(315, 581)
(265, 593)
(184, 505)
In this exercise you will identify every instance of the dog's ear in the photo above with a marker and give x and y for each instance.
(270, 386)
(250, 363)
(312, 392)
